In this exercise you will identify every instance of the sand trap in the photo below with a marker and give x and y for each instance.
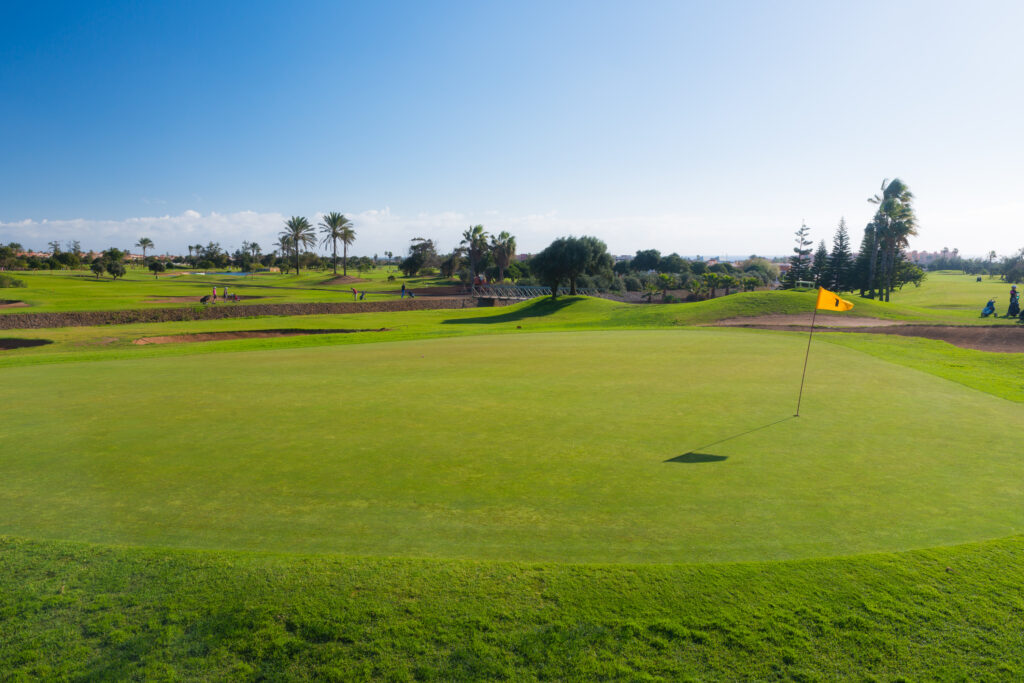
(1006, 338)
(10, 343)
(9, 303)
(804, 320)
(343, 280)
(241, 334)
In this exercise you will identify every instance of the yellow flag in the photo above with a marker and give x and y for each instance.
(830, 301)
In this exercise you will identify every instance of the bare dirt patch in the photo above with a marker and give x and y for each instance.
(1007, 338)
(804, 320)
(241, 334)
(343, 280)
(10, 303)
(12, 343)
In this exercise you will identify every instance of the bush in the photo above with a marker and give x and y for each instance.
(205, 264)
(8, 281)
(584, 282)
(632, 283)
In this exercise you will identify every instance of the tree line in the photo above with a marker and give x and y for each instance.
(881, 264)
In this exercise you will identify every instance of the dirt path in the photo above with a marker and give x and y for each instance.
(7, 303)
(1005, 338)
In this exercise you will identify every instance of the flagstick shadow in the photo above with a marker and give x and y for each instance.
(697, 455)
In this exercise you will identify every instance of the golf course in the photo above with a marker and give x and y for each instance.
(576, 488)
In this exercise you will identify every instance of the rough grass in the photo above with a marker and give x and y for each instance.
(70, 611)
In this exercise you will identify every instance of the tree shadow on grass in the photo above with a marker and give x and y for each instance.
(536, 309)
(696, 455)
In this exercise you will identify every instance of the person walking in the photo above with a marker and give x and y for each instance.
(403, 291)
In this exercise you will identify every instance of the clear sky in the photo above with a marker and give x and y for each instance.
(703, 128)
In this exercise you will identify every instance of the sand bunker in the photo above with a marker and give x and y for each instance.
(343, 280)
(804, 320)
(9, 303)
(1006, 338)
(11, 343)
(241, 334)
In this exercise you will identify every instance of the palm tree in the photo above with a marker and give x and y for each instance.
(300, 234)
(336, 227)
(255, 249)
(475, 241)
(190, 252)
(504, 248)
(893, 224)
(144, 243)
(284, 245)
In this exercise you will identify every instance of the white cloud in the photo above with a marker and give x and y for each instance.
(381, 230)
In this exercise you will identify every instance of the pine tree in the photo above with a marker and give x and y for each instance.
(860, 277)
(800, 261)
(819, 265)
(840, 261)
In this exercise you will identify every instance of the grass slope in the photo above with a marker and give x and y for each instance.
(70, 611)
(533, 447)
(59, 291)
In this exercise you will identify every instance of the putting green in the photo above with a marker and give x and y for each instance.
(640, 446)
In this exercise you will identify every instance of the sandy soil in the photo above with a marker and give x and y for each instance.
(241, 334)
(804, 320)
(343, 280)
(6, 303)
(1005, 338)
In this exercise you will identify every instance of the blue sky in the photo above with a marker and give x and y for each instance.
(703, 128)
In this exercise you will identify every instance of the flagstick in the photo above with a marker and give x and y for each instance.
(808, 355)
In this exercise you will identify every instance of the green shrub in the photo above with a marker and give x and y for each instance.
(10, 281)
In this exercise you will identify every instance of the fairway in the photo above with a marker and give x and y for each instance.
(624, 446)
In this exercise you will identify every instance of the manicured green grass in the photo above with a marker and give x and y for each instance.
(69, 611)
(462, 454)
(78, 344)
(999, 374)
(60, 291)
(548, 447)
(954, 291)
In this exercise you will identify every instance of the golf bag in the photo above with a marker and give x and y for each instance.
(989, 309)
(1014, 309)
